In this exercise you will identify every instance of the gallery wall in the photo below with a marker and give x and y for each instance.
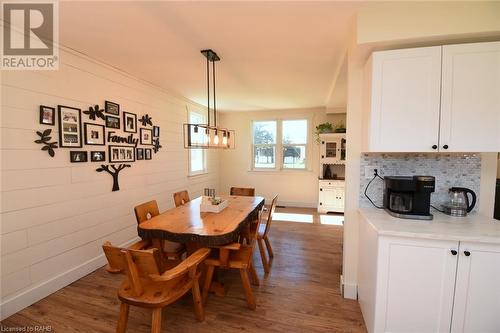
(55, 215)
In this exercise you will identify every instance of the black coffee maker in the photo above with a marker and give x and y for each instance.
(409, 197)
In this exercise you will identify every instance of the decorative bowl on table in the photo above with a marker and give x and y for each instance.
(212, 204)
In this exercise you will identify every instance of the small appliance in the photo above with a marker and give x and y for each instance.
(458, 203)
(409, 197)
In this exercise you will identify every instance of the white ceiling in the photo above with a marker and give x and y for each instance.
(275, 55)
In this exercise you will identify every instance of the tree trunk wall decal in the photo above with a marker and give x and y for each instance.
(113, 171)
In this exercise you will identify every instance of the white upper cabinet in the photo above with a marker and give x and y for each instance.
(405, 95)
(442, 98)
(470, 98)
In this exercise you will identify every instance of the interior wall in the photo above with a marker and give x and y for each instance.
(295, 187)
(55, 215)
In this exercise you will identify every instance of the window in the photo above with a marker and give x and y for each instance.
(197, 157)
(288, 152)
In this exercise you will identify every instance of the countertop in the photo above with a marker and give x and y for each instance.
(474, 227)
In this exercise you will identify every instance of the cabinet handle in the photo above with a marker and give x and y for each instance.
(454, 252)
(321, 189)
(445, 146)
(434, 147)
(320, 203)
(322, 142)
(322, 156)
(467, 253)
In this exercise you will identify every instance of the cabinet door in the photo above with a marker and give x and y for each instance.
(470, 102)
(405, 100)
(477, 294)
(415, 285)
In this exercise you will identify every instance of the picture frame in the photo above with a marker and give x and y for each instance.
(78, 156)
(112, 108)
(140, 154)
(94, 134)
(146, 136)
(47, 115)
(156, 131)
(97, 156)
(147, 154)
(70, 127)
(113, 122)
(129, 122)
(121, 154)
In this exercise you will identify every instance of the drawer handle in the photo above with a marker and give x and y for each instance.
(445, 146)
(434, 147)
(467, 253)
(454, 252)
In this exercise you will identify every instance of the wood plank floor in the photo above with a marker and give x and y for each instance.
(301, 293)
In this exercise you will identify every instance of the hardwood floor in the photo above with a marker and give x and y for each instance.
(301, 293)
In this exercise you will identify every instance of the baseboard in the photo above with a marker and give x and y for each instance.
(18, 302)
(298, 204)
(349, 291)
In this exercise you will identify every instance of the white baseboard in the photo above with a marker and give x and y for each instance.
(298, 204)
(18, 302)
(349, 291)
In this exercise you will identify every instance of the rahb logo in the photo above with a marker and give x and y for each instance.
(30, 35)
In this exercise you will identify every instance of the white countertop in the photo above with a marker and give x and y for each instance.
(473, 227)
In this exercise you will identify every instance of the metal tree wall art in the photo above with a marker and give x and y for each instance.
(44, 139)
(146, 120)
(114, 172)
(94, 113)
(156, 145)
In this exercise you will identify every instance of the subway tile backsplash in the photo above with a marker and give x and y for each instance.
(462, 170)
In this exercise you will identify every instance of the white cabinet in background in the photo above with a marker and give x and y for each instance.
(477, 291)
(429, 99)
(470, 100)
(404, 100)
(331, 196)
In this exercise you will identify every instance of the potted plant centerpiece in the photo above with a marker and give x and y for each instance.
(323, 128)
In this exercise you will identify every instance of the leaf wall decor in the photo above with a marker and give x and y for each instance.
(44, 139)
(146, 120)
(95, 112)
(156, 145)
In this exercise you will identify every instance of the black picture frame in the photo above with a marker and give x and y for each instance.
(126, 117)
(70, 127)
(47, 111)
(109, 123)
(156, 131)
(114, 157)
(112, 108)
(97, 156)
(139, 154)
(78, 156)
(143, 133)
(148, 154)
(90, 140)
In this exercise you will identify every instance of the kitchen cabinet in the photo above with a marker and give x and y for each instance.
(439, 276)
(331, 196)
(332, 148)
(433, 99)
(477, 292)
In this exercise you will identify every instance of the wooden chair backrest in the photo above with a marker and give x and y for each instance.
(254, 231)
(180, 198)
(243, 191)
(146, 211)
(270, 216)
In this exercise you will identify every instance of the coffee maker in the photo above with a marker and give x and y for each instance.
(409, 197)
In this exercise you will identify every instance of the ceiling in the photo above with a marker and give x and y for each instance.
(274, 55)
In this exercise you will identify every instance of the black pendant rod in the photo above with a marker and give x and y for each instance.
(215, 107)
(208, 90)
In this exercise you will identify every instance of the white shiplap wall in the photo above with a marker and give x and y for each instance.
(54, 214)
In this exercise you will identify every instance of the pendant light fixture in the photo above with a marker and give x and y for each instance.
(208, 135)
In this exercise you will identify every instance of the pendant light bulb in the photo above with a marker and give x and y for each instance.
(224, 138)
(216, 138)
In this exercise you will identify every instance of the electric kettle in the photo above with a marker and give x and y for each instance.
(458, 203)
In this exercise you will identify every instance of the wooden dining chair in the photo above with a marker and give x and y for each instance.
(180, 198)
(150, 284)
(148, 210)
(262, 235)
(243, 191)
(234, 256)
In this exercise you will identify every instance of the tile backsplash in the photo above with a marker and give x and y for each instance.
(462, 170)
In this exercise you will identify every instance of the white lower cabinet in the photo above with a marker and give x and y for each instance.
(477, 292)
(426, 285)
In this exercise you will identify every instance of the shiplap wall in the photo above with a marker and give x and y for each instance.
(55, 214)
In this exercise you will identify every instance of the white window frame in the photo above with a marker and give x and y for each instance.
(204, 153)
(279, 145)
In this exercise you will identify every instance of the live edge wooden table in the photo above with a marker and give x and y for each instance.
(185, 224)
